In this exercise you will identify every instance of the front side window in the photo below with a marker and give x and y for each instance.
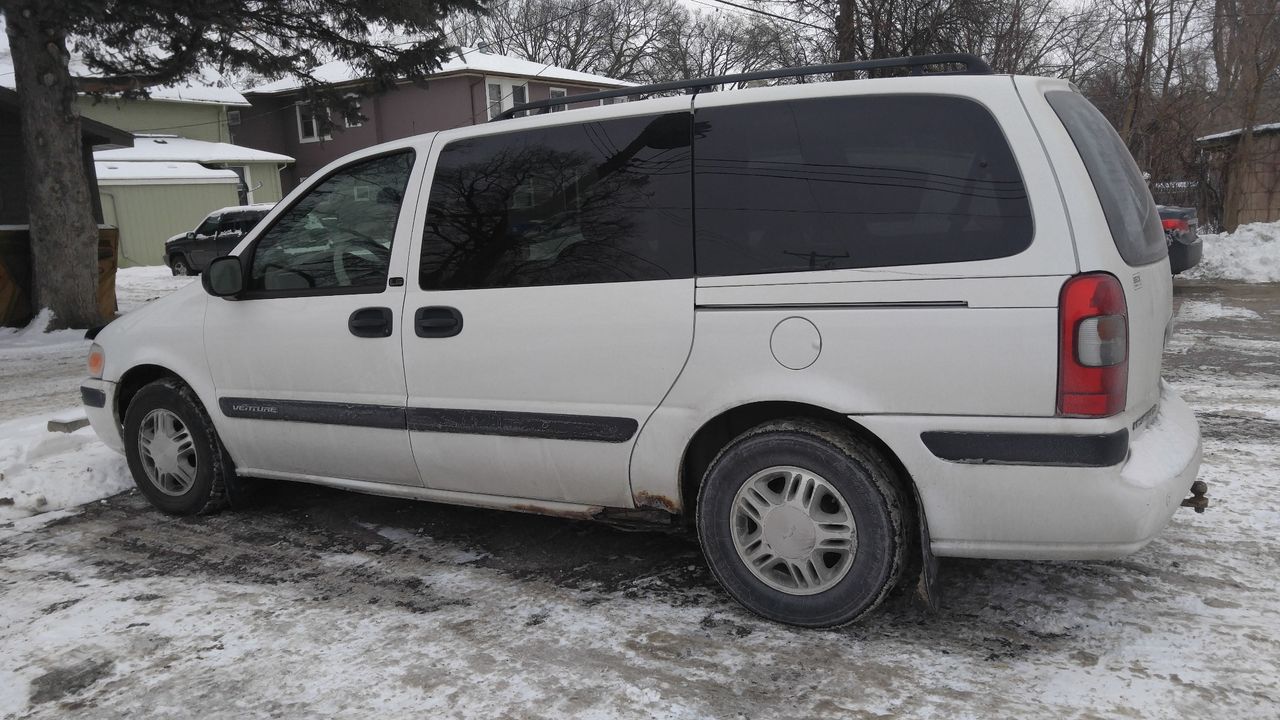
(338, 236)
(209, 227)
(854, 182)
(585, 203)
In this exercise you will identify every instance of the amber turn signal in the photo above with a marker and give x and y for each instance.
(97, 360)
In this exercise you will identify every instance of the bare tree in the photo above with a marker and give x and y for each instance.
(1246, 50)
(607, 37)
(643, 41)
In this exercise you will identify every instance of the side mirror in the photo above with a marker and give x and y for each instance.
(224, 277)
(191, 234)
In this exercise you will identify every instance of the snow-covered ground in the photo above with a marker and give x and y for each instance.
(1250, 254)
(326, 604)
(40, 373)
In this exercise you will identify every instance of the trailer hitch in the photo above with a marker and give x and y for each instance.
(1197, 501)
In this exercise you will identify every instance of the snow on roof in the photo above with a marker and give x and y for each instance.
(340, 71)
(207, 87)
(154, 173)
(179, 149)
(1269, 127)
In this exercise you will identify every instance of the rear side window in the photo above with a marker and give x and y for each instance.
(586, 203)
(1126, 201)
(854, 182)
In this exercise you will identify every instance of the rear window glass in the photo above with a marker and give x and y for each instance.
(1126, 201)
(854, 182)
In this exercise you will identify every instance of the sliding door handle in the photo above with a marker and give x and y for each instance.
(437, 321)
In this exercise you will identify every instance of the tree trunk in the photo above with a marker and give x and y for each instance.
(1140, 78)
(64, 235)
(1241, 161)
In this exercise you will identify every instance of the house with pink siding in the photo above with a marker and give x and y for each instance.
(470, 88)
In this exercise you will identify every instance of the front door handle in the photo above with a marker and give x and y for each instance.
(370, 322)
(437, 321)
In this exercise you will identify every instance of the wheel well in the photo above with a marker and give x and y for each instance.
(720, 430)
(133, 381)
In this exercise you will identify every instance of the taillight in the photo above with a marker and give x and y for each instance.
(1176, 224)
(1093, 359)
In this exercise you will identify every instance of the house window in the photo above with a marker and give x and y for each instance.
(504, 94)
(557, 93)
(233, 117)
(351, 118)
(495, 100)
(613, 100)
(519, 96)
(308, 124)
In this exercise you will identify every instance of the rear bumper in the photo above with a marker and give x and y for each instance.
(1184, 257)
(99, 398)
(1052, 512)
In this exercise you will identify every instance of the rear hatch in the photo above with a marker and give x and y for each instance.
(1134, 225)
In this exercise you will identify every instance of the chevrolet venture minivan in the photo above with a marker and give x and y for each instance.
(839, 328)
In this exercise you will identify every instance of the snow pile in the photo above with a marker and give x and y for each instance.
(40, 375)
(1251, 254)
(36, 336)
(42, 471)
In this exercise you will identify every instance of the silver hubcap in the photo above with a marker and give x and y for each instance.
(168, 452)
(794, 530)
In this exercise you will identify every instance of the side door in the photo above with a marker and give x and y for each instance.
(307, 362)
(551, 304)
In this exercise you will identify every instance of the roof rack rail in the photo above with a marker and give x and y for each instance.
(973, 65)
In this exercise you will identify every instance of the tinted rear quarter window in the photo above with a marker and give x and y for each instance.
(592, 202)
(1126, 202)
(854, 182)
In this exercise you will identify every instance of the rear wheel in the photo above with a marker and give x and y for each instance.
(174, 454)
(803, 523)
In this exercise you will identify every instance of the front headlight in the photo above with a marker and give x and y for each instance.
(97, 361)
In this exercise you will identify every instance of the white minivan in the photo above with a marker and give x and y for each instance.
(839, 328)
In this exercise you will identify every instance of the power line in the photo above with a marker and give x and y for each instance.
(766, 13)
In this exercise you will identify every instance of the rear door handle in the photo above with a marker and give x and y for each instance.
(437, 321)
(370, 322)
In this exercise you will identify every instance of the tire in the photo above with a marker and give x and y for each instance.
(180, 266)
(186, 471)
(866, 538)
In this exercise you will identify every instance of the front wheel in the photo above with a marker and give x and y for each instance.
(180, 266)
(803, 523)
(174, 454)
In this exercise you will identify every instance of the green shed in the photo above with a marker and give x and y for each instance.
(258, 170)
(151, 202)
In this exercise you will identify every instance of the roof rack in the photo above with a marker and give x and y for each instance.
(973, 65)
